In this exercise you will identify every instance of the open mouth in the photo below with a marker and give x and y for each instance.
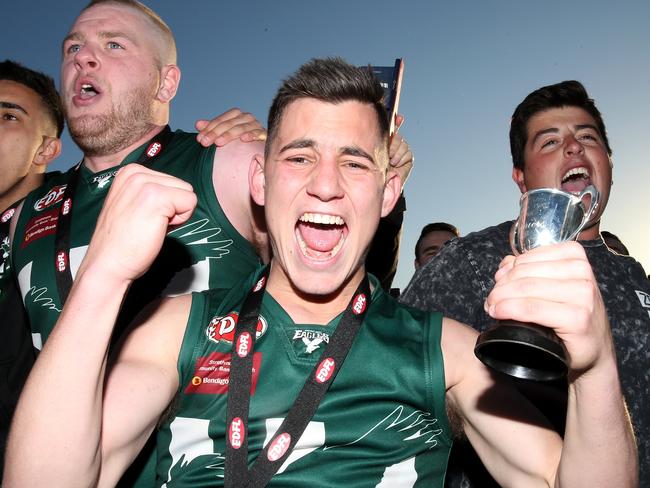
(87, 90)
(576, 180)
(320, 236)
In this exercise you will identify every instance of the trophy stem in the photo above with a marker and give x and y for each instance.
(523, 350)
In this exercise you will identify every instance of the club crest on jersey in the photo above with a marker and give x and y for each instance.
(359, 304)
(7, 215)
(223, 328)
(53, 196)
(311, 338)
(153, 149)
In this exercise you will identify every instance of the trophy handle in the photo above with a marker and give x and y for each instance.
(593, 204)
(514, 239)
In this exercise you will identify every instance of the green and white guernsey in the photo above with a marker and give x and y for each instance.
(206, 252)
(382, 423)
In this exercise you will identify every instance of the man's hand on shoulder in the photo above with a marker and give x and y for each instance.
(229, 126)
(399, 152)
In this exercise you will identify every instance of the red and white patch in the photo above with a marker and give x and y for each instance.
(279, 447)
(153, 149)
(7, 215)
(40, 226)
(260, 284)
(236, 433)
(53, 196)
(212, 374)
(244, 343)
(61, 261)
(67, 205)
(359, 304)
(223, 328)
(325, 370)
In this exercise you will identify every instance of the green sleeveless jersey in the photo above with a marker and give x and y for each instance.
(206, 252)
(382, 423)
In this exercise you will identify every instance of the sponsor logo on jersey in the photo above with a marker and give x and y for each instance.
(279, 447)
(7, 215)
(67, 205)
(61, 261)
(40, 226)
(311, 338)
(153, 149)
(223, 328)
(53, 196)
(259, 284)
(359, 304)
(325, 370)
(236, 433)
(244, 343)
(212, 374)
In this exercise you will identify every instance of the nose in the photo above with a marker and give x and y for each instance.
(85, 58)
(573, 146)
(325, 183)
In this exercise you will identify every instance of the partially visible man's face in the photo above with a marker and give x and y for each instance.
(109, 78)
(565, 150)
(430, 245)
(23, 124)
(325, 190)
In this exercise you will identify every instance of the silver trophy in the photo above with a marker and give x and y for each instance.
(527, 350)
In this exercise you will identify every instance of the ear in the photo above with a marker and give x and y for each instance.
(170, 77)
(416, 263)
(518, 178)
(392, 190)
(49, 150)
(256, 179)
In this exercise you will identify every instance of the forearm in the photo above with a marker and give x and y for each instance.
(599, 447)
(61, 404)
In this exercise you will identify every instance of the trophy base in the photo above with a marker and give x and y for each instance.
(522, 350)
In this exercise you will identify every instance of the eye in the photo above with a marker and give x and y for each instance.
(114, 45)
(298, 160)
(588, 137)
(549, 143)
(73, 48)
(9, 116)
(356, 165)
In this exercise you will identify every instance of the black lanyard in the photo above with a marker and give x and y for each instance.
(316, 385)
(62, 272)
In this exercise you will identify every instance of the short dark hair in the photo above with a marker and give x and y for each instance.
(330, 80)
(565, 94)
(434, 227)
(41, 84)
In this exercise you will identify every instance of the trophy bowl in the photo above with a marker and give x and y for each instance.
(527, 350)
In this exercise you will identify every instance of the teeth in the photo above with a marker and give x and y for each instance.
(326, 219)
(576, 171)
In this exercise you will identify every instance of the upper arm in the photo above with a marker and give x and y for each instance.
(142, 380)
(514, 441)
(230, 180)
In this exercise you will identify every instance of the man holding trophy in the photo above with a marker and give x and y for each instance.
(558, 140)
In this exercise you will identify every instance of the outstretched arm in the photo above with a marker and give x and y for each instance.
(62, 406)
(554, 287)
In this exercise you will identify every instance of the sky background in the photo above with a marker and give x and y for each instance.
(468, 64)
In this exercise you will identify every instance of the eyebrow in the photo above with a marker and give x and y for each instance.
(555, 130)
(13, 106)
(346, 150)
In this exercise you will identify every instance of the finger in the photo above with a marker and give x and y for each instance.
(254, 135)
(399, 120)
(552, 269)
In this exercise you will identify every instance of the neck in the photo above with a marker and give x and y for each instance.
(306, 308)
(21, 189)
(102, 162)
(590, 233)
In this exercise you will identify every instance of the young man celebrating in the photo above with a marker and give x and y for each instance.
(558, 140)
(221, 373)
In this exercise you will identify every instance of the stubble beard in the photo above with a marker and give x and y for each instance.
(106, 134)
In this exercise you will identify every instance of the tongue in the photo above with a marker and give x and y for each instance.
(321, 238)
(575, 185)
